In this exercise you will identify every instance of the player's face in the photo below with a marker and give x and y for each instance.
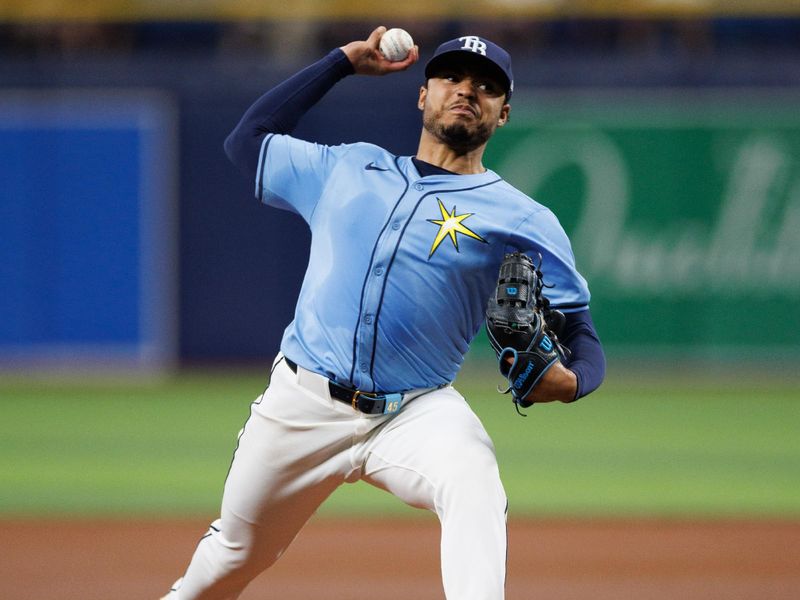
(463, 105)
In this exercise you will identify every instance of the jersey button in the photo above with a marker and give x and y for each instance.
(418, 187)
(396, 225)
(378, 271)
(364, 366)
(368, 319)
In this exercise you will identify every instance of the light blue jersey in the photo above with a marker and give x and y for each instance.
(401, 266)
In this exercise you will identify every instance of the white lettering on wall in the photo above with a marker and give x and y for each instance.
(753, 245)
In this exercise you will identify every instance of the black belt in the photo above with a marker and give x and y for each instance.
(366, 402)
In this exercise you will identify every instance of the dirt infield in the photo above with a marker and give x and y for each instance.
(347, 560)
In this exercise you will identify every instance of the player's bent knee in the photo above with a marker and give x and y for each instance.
(238, 562)
(474, 477)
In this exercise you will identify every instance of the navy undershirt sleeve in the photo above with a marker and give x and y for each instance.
(280, 109)
(587, 360)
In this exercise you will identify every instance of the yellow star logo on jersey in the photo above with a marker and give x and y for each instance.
(450, 225)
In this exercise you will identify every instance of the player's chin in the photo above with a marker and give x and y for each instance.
(462, 123)
(460, 134)
(473, 133)
(463, 142)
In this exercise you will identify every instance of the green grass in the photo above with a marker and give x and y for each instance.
(644, 451)
(639, 446)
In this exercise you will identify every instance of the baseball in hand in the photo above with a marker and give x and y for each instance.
(395, 44)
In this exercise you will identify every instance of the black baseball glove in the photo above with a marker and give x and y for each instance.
(522, 328)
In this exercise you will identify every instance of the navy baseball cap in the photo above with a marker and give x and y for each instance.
(474, 45)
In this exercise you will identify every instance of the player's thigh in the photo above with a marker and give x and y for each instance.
(436, 446)
(285, 463)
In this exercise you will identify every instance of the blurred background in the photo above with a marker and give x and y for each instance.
(144, 290)
(663, 133)
(135, 261)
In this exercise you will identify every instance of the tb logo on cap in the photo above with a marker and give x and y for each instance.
(474, 43)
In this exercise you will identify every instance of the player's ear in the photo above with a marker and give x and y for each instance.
(505, 115)
(423, 92)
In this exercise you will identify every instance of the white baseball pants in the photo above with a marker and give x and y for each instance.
(299, 445)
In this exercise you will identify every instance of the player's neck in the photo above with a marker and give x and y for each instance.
(436, 153)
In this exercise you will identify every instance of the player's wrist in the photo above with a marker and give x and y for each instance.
(341, 62)
(558, 384)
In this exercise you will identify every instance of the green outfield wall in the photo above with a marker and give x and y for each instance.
(683, 208)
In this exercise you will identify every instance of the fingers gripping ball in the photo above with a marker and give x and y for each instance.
(395, 44)
(516, 323)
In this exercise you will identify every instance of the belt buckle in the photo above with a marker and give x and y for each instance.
(357, 393)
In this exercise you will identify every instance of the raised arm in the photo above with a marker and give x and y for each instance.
(280, 109)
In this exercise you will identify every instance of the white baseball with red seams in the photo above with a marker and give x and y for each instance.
(395, 44)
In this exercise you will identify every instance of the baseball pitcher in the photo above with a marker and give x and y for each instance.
(410, 256)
